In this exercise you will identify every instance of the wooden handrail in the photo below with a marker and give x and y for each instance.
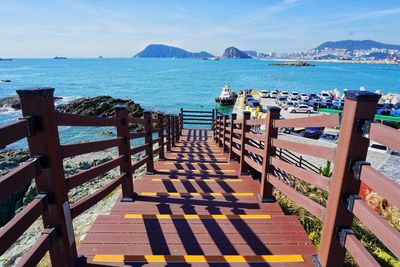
(87, 175)
(381, 184)
(38, 250)
(88, 201)
(18, 177)
(65, 119)
(10, 232)
(13, 131)
(137, 135)
(317, 151)
(88, 147)
(316, 121)
(358, 252)
(385, 135)
(380, 227)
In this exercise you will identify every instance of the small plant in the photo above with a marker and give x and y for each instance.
(326, 170)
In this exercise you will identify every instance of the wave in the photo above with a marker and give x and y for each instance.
(65, 100)
(9, 111)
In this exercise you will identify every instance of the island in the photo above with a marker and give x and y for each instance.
(166, 51)
(234, 53)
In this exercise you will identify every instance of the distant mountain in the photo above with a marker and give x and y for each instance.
(351, 45)
(165, 51)
(233, 52)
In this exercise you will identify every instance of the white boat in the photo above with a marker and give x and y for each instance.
(227, 96)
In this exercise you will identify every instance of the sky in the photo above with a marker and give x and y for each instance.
(121, 28)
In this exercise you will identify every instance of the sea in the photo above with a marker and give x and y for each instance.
(166, 85)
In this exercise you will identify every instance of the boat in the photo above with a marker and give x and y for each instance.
(60, 58)
(227, 96)
(5, 59)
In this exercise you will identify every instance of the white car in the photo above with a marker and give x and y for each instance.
(300, 109)
(324, 96)
(304, 97)
(289, 104)
(273, 94)
(263, 94)
(284, 93)
(294, 95)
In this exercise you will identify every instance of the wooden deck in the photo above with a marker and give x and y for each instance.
(196, 210)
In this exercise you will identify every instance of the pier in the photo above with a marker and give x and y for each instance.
(207, 196)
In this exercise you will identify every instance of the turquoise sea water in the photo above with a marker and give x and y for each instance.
(168, 84)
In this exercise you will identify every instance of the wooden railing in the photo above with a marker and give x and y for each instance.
(256, 151)
(40, 126)
(196, 117)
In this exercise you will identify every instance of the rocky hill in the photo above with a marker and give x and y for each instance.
(233, 52)
(351, 45)
(166, 51)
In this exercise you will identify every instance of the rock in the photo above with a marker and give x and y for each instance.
(10, 102)
(5, 81)
(233, 52)
(100, 106)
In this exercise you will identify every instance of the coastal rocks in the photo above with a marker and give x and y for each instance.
(10, 102)
(390, 98)
(293, 64)
(101, 106)
(234, 53)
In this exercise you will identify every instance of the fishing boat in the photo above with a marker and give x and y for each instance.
(227, 96)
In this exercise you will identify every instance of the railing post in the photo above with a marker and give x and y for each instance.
(245, 128)
(148, 139)
(213, 121)
(181, 121)
(172, 129)
(216, 128)
(266, 188)
(220, 131)
(38, 103)
(161, 135)
(168, 121)
(223, 134)
(122, 113)
(231, 153)
(177, 135)
(359, 110)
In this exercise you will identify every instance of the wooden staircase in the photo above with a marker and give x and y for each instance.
(196, 210)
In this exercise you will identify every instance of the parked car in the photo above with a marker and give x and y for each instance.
(254, 104)
(284, 93)
(326, 103)
(330, 137)
(289, 104)
(314, 103)
(338, 104)
(324, 95)
(395, 112)
(378, 148)
(313, 96)
(264, 94)
(273, 94)
(384, 111)
(279, 99)
(294, 95)
(300, 109)
(304, 97)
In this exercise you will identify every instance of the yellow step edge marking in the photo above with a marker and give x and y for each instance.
(197, 171)
(176, 194)
(195, 180)
(198, 258)
(196, 216)
(206, 163)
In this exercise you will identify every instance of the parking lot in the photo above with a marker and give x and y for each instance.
(268, 102)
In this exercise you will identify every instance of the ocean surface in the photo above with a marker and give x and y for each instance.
(168, 84)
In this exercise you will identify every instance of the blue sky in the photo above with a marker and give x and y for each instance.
(120, 28)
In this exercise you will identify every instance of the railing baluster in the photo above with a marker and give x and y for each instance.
(266, 188)
(148, 127)
(231, 154)
(39, 103)
(168, 122)
(122, 113)
(223, 133)
(359, 107)
(161, 135)
(243, 165)
(177, 134)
